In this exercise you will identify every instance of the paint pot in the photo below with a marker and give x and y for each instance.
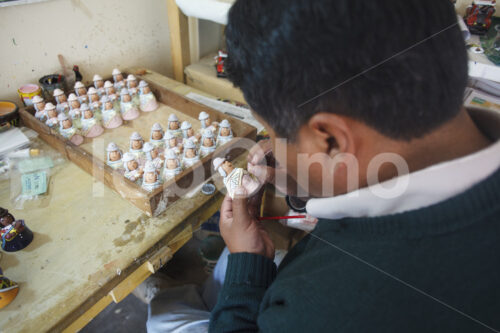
(9, 115)
(50, 83)
(27, 92)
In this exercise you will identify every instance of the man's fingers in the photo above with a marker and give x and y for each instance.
(255, 202)
(226, 209)
(257, 152)
(240, 206)
(263, 173)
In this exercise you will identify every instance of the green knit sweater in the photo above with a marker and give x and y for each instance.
(436, 269)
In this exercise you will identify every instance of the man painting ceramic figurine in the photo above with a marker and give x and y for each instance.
(206, 122)
(136, 145)
(15, 234)
(132, 170)
(152, 155)
(128, 108)
(111, 117)
(147, 99)
(114, 158)
(190, 156)
(151, 178)
(39, 105)
(118, 79)
(172, 164)
(110, 90)
(81, 91)
(68, 131)
(236, 177)
(225, 133)
(188, 133)
(91, 126)
(8, 290)
(99, 85)
(174, 126)
(207, 143)
(61, 100)
(157, 136)
(51, 115)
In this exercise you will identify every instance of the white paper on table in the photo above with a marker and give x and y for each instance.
(12, 139)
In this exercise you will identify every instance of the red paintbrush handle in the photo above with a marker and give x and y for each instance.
(264, 218)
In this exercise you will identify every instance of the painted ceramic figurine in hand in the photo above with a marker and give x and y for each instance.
(172, 164)
(157, 136)
(74, 106)
(172, 142)
(61, 100)
(128, 108)
(111, 117)
(118, 78)
(94, 99)
(110, 91)
(91, 127)
(81, 91)
(206, 122)
(136, 145)
(147, 100)
(114, 156)
(99, 85)
(67, 130)
(39, 105)
(8, 290)
(207, 143)
(15, 234)
(52, 114)
(151, 178)
(174, 127)
(225, 133)
(132, 170)
(153, 155)
(188, 133)
(235, 177)
(190, 156)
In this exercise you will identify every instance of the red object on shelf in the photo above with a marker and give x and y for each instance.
(266, 218)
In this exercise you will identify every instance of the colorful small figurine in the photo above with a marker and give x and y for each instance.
(39, 105)
(478, 16)
(81, 91)
(190, 156)
(132, 85)
(152, 155)
(174, 127)
(235, 177)
(157, 136)
(219, 64)
(15, 234)
(99, 85)
(172, 142)
(188, 133)
(8, 290)
(118, 78)
(128, 109)
(207, 143)
(147, 100)
(114, 156)
(74, 104)
(225, 133)
(67, 130)
(131, 166)
(111, 117)
(62, 100)
(151, 178)
(91, 127)
(172, 164)
(51, 111)
(93, 96)
(110, 90)
(136, 145)
(206, 122)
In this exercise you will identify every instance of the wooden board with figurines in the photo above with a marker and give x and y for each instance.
(138, 137)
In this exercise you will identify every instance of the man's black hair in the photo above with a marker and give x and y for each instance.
(398, 66)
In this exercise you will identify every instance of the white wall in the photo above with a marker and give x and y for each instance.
(97, 35)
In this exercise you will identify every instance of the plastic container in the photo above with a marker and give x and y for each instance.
(51, 82)
(27, 92)
(9, 115)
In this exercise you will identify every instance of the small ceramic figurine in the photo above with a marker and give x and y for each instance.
(51, 111)
(15, 234)
(174, 126)
(110, 90)
(157, 136)
(206, 122)
(152, 154)
(188, 133)
(128, 108)
(61, 100)
(74, 106)
(172, 164)
(8, 290)
(67, 130)
(207, 143)
(190, 156)
(151, 178)
(172, 142)
(99, 85)
(235, 177)
(147, 99)
(225, 133)
(114, 156)
(39, 105)
(136, 145)
(81, 91)
(118, 78)
(111, 117)
(91, 127)
(131, 166)
(94, 99)
(132, 85)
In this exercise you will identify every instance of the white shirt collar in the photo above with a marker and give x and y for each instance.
(425, 187)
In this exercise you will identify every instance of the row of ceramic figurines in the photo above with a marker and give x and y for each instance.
(151, 163)
(15, 236)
